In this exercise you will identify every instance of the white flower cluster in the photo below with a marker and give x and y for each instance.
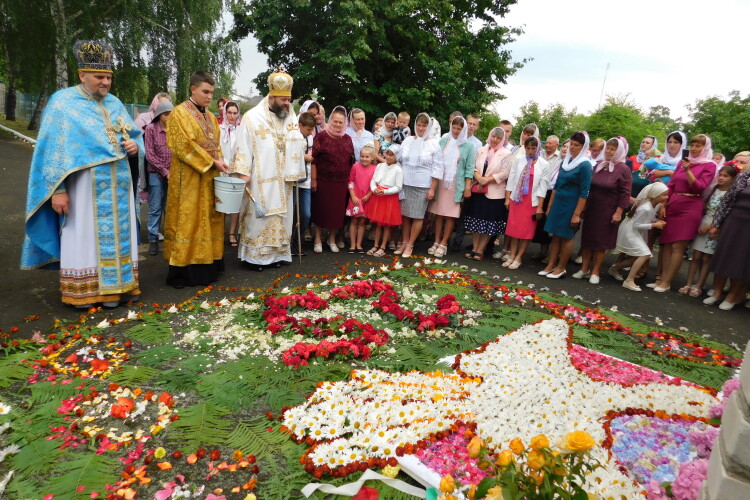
(528, 387)
(377, 411)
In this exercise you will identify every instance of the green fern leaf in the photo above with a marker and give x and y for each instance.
(43, 392)
(133, 376)
(91, 471)
(12, 369)
(253, 437)
(202, 424)
(160, 355)
(176, 380)
(150, 333)
(35, 457)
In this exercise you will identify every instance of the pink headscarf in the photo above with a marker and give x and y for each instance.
(706, 155)
(619, 157)
(335, 110)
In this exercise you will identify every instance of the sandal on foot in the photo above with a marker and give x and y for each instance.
(235, 242)
(380, 252)
(470, 254)
(407, 251)
(441, 251)
(432, 249)
(372, 251)
(695, 291)
(478, 256)
(684, 290)
(318, 248)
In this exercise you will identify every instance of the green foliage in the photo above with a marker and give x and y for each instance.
(12, 369)
(90, 470)
(177, 380)
(204, 424)
(620, 116)
(726, 121)
(36, 457)
(254, 437)
(553, 120)
(160, 355)
(384, 56)
(133, 376)
(150, 332)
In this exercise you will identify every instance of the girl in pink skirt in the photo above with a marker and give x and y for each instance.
(524, 198)
(359, 197)
(384, 208)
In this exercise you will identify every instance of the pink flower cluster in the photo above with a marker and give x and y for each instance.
(605, 368)
(450, 456)
(727, 389)
(687, 486)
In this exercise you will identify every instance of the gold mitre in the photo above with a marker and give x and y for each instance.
(93, 55)
(280, 84)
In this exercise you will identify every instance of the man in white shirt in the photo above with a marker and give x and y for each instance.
(473, 123)
(551, 154)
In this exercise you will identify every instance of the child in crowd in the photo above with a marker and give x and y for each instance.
(385, 209)
(307, 124)
(158, 157)
(402, 130)
(632, 236)
(359, 196)
(525, 191)
(703, 245)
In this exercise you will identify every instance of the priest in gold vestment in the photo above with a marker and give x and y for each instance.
(269, 156)
(193, 229)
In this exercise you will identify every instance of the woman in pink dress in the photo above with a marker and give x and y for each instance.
(524, 197)
(684, 209)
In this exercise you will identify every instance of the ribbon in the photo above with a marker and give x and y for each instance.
(351, 489)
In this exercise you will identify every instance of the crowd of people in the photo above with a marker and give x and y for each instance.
(327, 179)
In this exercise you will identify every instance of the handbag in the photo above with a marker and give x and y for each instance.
(475, 186)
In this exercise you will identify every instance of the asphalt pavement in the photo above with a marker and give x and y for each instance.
(29, 293)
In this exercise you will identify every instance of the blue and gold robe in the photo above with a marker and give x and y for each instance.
(79, 138)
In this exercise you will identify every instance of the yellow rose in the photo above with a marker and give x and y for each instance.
(474, 447)
(160, 453)
(539, 442)
(494, 493)
(504, 458)
(447, 484)
(535, 459)
(517, 446)
(579, 441)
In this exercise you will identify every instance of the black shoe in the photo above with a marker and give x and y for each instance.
(153, 248)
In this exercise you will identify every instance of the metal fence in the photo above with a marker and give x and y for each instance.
(26, 103)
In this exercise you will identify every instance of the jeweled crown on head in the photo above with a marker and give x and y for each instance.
(280, 83)
(93, 55)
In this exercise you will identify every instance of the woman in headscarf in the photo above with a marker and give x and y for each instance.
(524, 199)
(730, 260)
(647, 143)
(313, 107)
(333, 153)
(567, 204)
(422, 162)
(609, 196)
(455, 184)
(684, 209)
(596, 150)
(228, 127)
(384, 136)
(143, 119)
(486, 212)
(530, 130)
(661, 169)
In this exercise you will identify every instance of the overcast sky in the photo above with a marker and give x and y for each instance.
(661, 52)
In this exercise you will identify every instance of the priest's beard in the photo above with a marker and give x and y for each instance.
(279, 110)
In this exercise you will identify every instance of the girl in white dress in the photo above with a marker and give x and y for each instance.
(632, 236)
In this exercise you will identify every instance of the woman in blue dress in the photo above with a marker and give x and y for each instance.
(568, 201)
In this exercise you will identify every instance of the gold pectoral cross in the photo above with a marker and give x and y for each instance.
(262, 133)
(123, 128)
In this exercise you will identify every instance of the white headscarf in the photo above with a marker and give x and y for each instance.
(415, 151)
(619, 157)
(305, 106)
(384, 132)
(668, 159)
(651, 191)
(570, 163)
(722, 161)
(452, 153)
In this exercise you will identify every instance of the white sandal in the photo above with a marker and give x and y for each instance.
(441, 251)
(318, 248)
(432, 249)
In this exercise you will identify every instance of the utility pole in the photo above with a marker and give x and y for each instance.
(601, 96)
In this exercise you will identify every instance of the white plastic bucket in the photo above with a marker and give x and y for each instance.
(228, 192)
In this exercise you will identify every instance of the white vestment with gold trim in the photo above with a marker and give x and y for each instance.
(269, 151)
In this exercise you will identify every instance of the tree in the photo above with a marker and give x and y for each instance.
(620, 116)
(429, 55)
(725, 121)
(661, 115)
(554, 120)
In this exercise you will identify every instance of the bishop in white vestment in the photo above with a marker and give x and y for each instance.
(269, 155)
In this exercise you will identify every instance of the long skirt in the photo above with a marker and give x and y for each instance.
(329, 204)
(414, 202)
(485, 215)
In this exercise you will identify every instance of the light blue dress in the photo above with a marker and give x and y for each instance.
(569, 187)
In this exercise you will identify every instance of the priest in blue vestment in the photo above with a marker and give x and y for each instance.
(80, 209)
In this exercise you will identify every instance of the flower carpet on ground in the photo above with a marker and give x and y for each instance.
(319, 378)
